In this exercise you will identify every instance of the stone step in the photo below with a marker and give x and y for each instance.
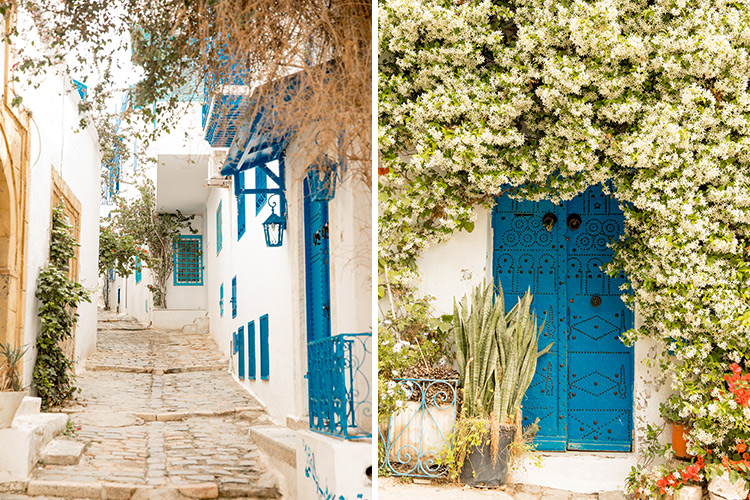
(22, 444)
(278, 443)
(63, 452)
(29, 406)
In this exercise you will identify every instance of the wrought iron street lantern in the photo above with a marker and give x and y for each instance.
(273, 227)
(322, 179)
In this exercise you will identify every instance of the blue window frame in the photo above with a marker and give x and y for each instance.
(221, 300)
(219, 235)
(138, 270)
(188, 261)
(241, 352)
(241, 210)
(251, 350)
(233, 300)
(264, 347)
(260, 183)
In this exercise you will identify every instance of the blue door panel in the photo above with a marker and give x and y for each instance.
(582, 389)
(317, 274)
(526, 259)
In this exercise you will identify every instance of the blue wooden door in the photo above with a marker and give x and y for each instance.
(317, 276)
(582, 389)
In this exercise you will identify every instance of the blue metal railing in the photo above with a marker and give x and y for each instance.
(417, 435)
(338, 380)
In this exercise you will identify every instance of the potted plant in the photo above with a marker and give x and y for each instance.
(496, 355)
(11, 391)
(680, 427)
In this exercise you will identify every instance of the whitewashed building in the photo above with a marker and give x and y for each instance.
(269, 307)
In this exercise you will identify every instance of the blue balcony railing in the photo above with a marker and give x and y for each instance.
(338, 379)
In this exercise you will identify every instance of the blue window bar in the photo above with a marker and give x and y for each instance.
(188, 261)
(138, 270)
(241, 353)
(338, 381)
(251, 350)
(260, 184)
(264, 371)
(221, 300)
(241, 210)
(233, 300)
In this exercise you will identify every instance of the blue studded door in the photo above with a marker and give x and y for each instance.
(582, 389)
(317, 275)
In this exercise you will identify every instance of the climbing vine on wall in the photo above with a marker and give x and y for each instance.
(539, 99)
(58, 296)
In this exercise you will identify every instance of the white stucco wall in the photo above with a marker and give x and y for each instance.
(451, 269)
(57, 143)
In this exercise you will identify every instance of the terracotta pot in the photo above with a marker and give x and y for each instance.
(678, 440)
(9, 403)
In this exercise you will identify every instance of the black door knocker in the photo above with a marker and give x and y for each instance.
(574, 221)
(596, 301)
(549, 220)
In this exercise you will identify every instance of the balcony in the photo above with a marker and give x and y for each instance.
(339, 369)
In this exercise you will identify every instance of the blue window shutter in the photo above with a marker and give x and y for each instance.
(260, 183)
(219, 236)
(234, 342)
(221, 300)
(234, 297)
(187, 266)
(264, 347)
(241, 352)
(251, 350)
(241, 211)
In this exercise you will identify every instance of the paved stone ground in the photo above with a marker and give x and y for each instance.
(147, 422)
(396, 489)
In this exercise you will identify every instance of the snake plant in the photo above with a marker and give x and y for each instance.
(496, 352)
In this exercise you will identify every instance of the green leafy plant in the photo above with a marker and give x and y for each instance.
(138, 219)
(59, 296)
(496, 355)
(120, 252)
(10, 357)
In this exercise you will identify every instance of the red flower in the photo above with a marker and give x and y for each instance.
(741, 447)
(690, 472)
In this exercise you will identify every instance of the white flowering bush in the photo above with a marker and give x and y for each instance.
(540, 99)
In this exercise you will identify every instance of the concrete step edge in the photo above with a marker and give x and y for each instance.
(273, 447)
(124, 491)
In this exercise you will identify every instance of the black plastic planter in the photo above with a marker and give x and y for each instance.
(480, 469)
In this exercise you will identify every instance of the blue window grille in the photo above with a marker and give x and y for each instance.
(219, 235)
(418, 460)
(251, 350)
(82, 90)
(188, 261)
(233, 300)
(221, 300)
(241, 353)
(338, 378)
(241, 211)
(138, 270)
(260, 183)
(264, 347)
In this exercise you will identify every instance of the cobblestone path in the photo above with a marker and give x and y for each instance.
(158, 408)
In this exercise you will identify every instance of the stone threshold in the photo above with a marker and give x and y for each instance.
(181, 415)
(156, 370)
(266, 488)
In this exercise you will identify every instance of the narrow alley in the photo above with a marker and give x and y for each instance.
(159, 417)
